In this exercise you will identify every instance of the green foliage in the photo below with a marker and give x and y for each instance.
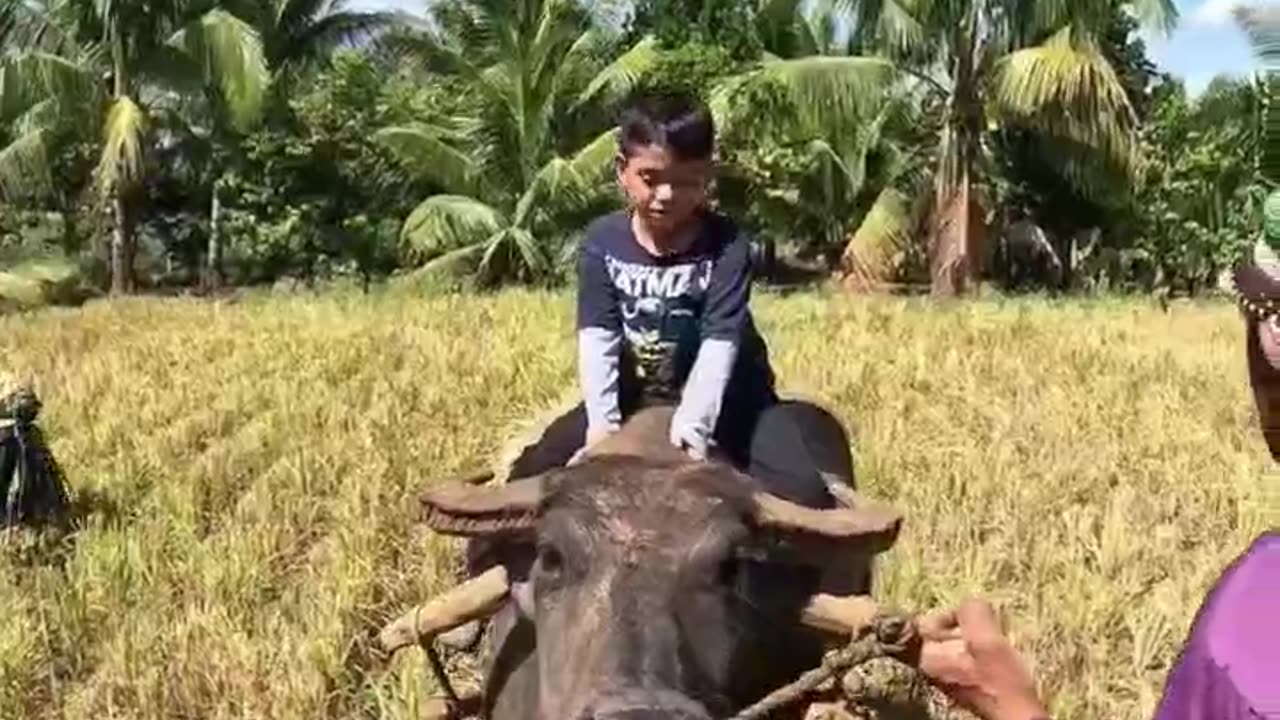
(479, 147)
(1199, 201)
(692, 67)
(316, 193)
(1195, 210)
(725, 24)
(516, 178)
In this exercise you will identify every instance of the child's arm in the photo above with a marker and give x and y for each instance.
(724, 315)
(599, 343)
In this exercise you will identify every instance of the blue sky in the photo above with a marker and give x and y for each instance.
(1205, 43)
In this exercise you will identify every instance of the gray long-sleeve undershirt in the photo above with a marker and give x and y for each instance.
(599, 350)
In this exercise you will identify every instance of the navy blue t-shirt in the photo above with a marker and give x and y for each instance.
(664, 307)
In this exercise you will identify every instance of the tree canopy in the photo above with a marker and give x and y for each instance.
(883, 142)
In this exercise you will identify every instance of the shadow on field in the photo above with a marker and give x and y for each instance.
(49, 542)
(87, 502)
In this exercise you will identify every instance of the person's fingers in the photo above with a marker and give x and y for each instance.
(978, 623)
(940, 624)
(948, 663)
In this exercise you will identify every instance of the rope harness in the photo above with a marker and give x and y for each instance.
(889, 636)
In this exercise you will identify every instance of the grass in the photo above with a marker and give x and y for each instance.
(247, 473)
(38, 282)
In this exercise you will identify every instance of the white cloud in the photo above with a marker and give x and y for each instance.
(1215, 13)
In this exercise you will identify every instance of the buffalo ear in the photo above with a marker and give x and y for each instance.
(867, 528)
(470, 510)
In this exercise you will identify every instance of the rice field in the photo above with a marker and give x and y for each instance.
(245, 474)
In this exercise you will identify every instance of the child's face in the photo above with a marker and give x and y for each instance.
(663, 189)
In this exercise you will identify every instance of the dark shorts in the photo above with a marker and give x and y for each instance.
(768, 444)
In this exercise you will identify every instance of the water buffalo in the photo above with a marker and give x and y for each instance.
(641, 584)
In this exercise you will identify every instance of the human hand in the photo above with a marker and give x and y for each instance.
(594, 437)
(966, 654)
(689, 438)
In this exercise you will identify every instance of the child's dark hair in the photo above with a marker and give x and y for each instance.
(678, 122)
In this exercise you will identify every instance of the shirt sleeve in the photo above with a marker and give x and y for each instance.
(729, 293)
(599, 340)
(724, 316)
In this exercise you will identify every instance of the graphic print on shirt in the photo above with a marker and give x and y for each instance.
(660, 309)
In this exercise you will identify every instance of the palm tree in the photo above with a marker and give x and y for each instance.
(1031, 63)
(30, 115)
(510, 161)
(150, 57)
(301, 33)
(811, 134)
(802, 28)
(296, 35)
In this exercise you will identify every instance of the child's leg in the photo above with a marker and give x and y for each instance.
(777, 455)
(554, 445)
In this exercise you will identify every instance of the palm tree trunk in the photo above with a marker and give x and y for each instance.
(122, 245)
(122, 233)
(949, 266)
(213, 260)
(955, 258)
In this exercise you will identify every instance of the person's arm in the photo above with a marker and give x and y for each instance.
(599, 343)
(724, 315)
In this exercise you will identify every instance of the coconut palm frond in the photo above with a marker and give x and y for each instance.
(124, 140)
(426, 151)
(1068, 91)
(873, 251)
(24, 167)
(230, 56)
(445, 223)
(622, 75)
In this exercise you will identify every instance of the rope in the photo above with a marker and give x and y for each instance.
(888, 636)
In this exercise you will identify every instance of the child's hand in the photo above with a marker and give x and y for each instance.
(689, 438)
(594, 437)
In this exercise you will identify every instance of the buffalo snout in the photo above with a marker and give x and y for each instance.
(645, 705)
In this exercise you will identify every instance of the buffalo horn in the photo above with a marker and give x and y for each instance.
(462, 508)
(873, 527)
(474, 599)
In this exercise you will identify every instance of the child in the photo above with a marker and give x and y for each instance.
(663, 314)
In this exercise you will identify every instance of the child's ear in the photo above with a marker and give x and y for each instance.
(619, 164)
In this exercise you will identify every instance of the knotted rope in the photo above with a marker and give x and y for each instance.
(891, 636)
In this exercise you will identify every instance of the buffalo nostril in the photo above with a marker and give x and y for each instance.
(652, 714)
(647, 705)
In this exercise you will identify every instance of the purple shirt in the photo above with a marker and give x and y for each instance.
(1230, 667)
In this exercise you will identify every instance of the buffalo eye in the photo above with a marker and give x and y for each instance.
(550, 560)
(727, 571)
